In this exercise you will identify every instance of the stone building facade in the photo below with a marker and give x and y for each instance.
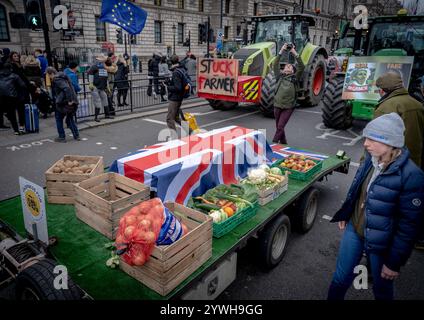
(166, 19)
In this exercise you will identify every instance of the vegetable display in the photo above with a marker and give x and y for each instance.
(142, 227)
(264, 178)
(298, 163)
(224, 201)
(73, 167)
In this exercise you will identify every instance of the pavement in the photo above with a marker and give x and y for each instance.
(48, 126)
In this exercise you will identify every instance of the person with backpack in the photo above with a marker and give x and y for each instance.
(286, 92)
(178, 89)
(66, 103)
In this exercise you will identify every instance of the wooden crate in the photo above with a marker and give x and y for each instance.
(101, 201)
(60, 186)
(170, 265)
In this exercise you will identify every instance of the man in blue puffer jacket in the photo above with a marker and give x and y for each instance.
(382, 211)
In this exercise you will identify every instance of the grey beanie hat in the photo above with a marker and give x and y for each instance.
(388, 129)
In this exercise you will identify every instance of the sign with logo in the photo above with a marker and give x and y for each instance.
(362, 74)
(33, 206)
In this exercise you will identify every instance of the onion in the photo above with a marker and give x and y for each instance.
(139, 258)
(134, 211)
(145, 224)
(128, 232)
(131, 220)
(144, 207)
(150, 237)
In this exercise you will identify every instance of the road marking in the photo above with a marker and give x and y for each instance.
(99, 143)
(208, 124)
(84, 139)
(308, 111)
(113, 148)
(327, 217)
(155, 121)
(355, 164)
(232, 118)
(334, 134)
(206, 113)
(29, 145)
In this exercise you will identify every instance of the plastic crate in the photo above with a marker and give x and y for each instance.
(297, 175)
(220, 229)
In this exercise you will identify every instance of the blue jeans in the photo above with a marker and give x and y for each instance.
(350, 254)
(69, 121)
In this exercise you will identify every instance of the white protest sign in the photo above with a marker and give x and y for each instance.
(34, 209)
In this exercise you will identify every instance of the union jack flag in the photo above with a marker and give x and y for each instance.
(179, 169)
(281, 152)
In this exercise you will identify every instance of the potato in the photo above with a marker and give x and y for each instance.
(84, 167)
(68, 164)
(75, 163)
(78, 172)
(57, 170)
(68, 170)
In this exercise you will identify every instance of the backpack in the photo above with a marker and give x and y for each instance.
(187, 85)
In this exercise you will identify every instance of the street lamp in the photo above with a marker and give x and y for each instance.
(173, 30)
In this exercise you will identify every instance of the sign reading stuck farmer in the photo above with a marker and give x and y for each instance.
(217, 76)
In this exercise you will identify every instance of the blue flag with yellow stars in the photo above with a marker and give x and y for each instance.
(124, 14)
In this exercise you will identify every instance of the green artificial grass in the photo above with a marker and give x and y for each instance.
(82, 249)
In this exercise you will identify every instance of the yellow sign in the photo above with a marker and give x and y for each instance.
(251, 89)
(32, 202)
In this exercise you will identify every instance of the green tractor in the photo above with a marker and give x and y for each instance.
(399, 35)
(260, 59)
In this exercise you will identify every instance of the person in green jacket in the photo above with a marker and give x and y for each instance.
(286, 92)
(395, 98)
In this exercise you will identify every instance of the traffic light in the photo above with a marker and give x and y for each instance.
(119, 38)
(202, 33)
(186, 43)
(33, 14)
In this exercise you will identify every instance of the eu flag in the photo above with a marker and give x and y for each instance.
(124, 14)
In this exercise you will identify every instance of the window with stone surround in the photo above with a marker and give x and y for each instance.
(158, 31)
(255, 9)
(180, 4)
(133, 39)
(4, 29)
(158, 3)
(100, 30)
(226, 32)
(181, 33)
(201, 5)
(227, 6)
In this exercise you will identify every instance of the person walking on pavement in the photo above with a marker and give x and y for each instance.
(10, 86)
(38, 53)
(32, 70)
(175, 93)
(23, 94)
(71, 72)
(98, 79)
(191, 65)
(164, 76)
(150, 75)
(286, 92)
(111, 68)
(382, 211)
(66, 102)
(121, 80)
(155, 70)
(395, 98)
(134, 59)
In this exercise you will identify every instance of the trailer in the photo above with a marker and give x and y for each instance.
(83, 250)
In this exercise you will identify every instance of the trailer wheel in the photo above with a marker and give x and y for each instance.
(336, 113)
(305, 211)
(273, 241)
(267, 95)
(37, 283)
(222, 105)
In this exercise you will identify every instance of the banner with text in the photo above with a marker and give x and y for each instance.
(217, 76)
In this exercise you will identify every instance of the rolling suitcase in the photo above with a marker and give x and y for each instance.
(31, 118)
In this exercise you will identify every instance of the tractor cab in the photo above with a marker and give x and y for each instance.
(283, 29)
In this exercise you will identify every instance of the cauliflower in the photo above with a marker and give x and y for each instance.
(257, 176)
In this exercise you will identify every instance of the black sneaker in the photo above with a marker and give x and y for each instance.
(97, 120)
(62, 140)
(4, 127)
(419, 245)
(109, 117)
(77, 139)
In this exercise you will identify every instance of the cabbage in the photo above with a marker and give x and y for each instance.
(276, 171)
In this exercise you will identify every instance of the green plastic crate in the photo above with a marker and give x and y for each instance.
(220, 229)
(303, 176)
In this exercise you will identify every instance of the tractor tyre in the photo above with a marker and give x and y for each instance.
(315, 87)
(336, 113)
(222, 105)
(267, 95)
